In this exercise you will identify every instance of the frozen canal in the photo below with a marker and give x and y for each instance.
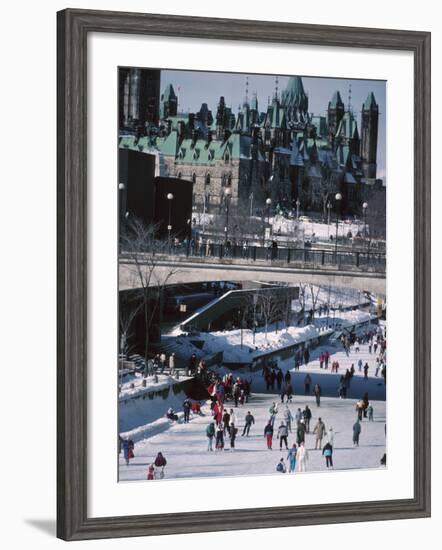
(185, 445)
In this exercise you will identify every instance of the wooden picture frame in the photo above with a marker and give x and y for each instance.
(73, 28)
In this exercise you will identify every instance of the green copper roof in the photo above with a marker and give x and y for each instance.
(336, 101)
(348, 127)
(294, 94)
(169, 92)
(370, 102)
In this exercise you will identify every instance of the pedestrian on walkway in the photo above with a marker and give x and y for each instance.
(366, 367)
(288, 417)
(300, 433)
(307, 382)
(370, 413)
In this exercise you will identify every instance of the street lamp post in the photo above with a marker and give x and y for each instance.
(227, 195)
(338, 197)
(268, 205)
(169, 197)
(364, 210)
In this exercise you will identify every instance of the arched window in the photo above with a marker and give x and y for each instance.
(227, 158)
(194, 178)
(207, 180)
(224, 180)
(229, 180)
(179, 175)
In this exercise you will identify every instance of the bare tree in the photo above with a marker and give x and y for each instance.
(270, 308)
(140, 247)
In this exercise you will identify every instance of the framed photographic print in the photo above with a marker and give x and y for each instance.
(238, 204)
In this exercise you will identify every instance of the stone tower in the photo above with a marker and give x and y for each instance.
(335, 113)
(168, 103)
(369, 136)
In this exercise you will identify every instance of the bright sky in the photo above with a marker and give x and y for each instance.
(194, 88)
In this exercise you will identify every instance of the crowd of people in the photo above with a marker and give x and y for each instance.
(231, 414)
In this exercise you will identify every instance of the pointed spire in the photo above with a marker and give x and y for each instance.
(336, 101)
(254, 102)
(370, 103)
(349, 98)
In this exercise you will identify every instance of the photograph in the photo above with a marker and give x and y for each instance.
(252, 303)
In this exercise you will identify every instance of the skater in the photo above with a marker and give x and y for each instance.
(300, 433)
(288, 417)
(307, 382)
(281, 467)
(370, 413)
(233, 432)
(187, 405)
(151, 472)
(326, 359)
(289, 391)
(273, 410)
(282, 392)
(302, 457)
(317, 393)
(249, 420)
(360, 363)
(298, 416)
(282, 436)
(320, 431)
(172, 364)
(366, 367)
(226, 422)
(171, 415)
(160, 464)
(291, 457)
(327, 451)
(356, 432)
(307, 416)
(128, 450)
(210, 433)
(268, 434)
(219, 437)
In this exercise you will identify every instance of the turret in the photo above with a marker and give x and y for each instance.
(369, 136)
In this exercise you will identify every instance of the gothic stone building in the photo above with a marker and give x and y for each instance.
(285, 152)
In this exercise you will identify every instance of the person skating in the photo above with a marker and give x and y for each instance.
(226, 421)
(356, 432)
(249, 420)
(220, 437)
(319, 430)
(370, 413)
(279, 379)
(307, 416)
(233, 432)
(289, 391)
(282, 436)
(186, 408)
(268, 434)
(281, 467)
(288, 417)
(298, 416)
(210, 433)
(300, 433)
(151, 472)
(291, 457)
(128, 450)
(302, 457)
(327, 451)
(288, 377)
(159, 463)
(317, 391)
(366, 367)
(273, 410)
(307, 382)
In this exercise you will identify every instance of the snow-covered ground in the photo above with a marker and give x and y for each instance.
(185, 445)
(276, 338)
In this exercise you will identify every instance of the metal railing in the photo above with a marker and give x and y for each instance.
(305, 257)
